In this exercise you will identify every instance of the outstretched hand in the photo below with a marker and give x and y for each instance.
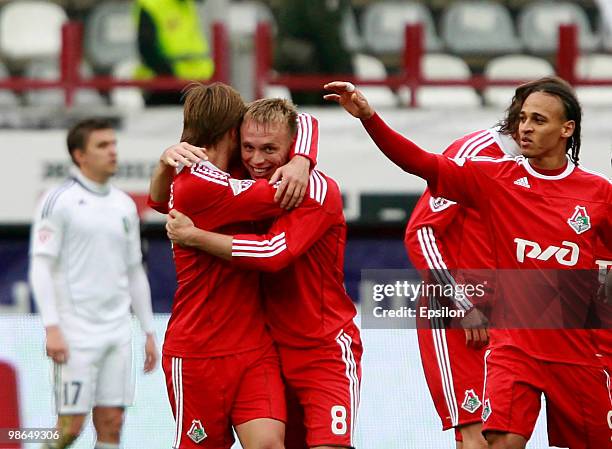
(350, 98)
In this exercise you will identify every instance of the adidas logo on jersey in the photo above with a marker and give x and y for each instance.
(523, 182)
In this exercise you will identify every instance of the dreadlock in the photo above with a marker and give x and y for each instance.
(553, 86)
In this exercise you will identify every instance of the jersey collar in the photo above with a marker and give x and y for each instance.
(568, 170)
(88, 184)
(206, 164)
(507, 144)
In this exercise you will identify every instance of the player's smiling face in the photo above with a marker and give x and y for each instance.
(264, 147)
(543, 128)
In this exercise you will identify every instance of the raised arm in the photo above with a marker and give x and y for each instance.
(450, 178)
(180, 154)
(293, 176)
(213, 200)
(401, 151)
(288, 238)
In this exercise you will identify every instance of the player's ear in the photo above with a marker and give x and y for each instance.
(78, 156)
(567, 129)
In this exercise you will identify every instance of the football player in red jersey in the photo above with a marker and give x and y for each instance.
(221, 367)
(559, 211)
(309, 314)
(442, 236)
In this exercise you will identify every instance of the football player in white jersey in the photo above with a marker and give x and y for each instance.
(86, 271)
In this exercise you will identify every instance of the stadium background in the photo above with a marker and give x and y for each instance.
(396, 409)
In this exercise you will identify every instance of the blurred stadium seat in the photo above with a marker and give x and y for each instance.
(383, 26)
(605, 35)
(538, 25)
(349, 31)
(211, 11)
(369, 67)
(30, 30)
(443, 66)
(245, 15)
(512, 67)
(277, 91)
(595, 66)
(478, 27)
(48, 70)
(126, 98)
(110, 35)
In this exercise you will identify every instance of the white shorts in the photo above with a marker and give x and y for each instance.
(100, 376)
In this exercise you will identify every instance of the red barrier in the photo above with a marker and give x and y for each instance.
(567, 52)
(413, 55)
(221, 53)
(263, 57)
(410, 76)
(70, 59)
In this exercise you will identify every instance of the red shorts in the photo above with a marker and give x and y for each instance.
(454, 374)
(578, 401)
(326, 381)
(210, 395)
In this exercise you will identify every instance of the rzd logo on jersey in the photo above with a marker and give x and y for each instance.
(580, 220)
(566, 255)
(196, 431)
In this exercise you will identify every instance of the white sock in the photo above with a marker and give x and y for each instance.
(101, 445)
(48, 446)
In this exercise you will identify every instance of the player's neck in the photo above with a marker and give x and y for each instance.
(218, 158)
(549, 162)
(93, 177)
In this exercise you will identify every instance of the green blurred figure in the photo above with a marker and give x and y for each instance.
(171, 43)
(309, 41)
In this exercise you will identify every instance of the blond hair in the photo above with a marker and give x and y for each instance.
(273, 110)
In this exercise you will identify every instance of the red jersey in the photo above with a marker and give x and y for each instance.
(442, 234)
(305, 299)
(217, 308)
(535, 222)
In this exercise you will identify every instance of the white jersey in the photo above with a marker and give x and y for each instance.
(92, 232)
